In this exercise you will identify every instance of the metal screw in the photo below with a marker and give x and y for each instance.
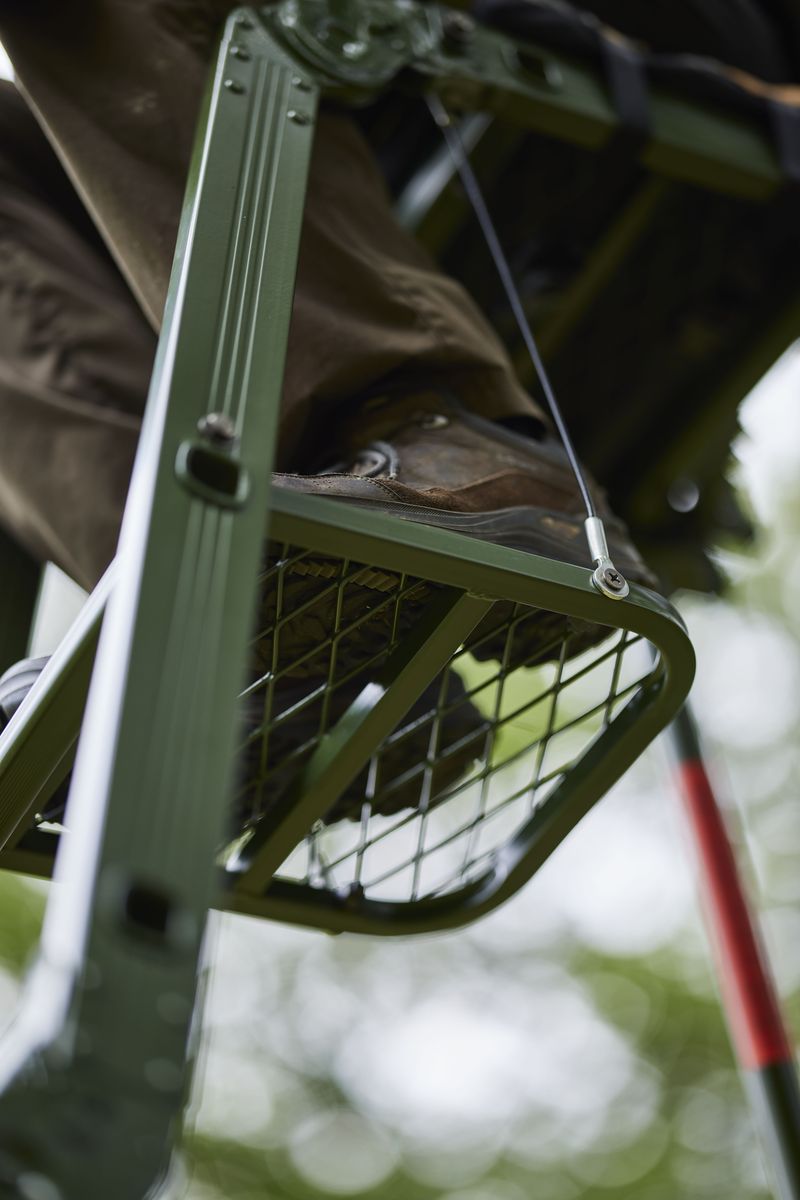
(299, 118)
(240, 52)
(458, 29)
(234, 86)
(302, 85)
(216, 427)
(613, 579)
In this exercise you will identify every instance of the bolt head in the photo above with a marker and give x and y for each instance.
(216, 427)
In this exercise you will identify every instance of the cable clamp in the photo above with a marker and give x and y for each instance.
(605, 577)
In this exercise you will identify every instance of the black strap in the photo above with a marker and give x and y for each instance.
(626, 73)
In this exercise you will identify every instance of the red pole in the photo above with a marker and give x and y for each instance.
(755, 1021)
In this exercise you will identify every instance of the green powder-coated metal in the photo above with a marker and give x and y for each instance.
(152, 772)
(528, 85)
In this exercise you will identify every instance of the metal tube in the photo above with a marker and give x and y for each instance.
(752, 1008)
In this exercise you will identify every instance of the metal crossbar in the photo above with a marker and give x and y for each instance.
(492, 742)
(481, 749)
(487, 752)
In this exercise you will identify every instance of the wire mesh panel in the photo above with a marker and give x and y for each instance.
(495, 750)
(483, 750)
(501, 721)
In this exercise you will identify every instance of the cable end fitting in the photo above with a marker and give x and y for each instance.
(605, 577)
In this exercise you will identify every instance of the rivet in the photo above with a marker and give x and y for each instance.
(240, 52)
(233, 85)
(216, 427)
(301, 84)
(299, 118)
(244, 23)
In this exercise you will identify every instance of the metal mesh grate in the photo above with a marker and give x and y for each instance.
(490, 740)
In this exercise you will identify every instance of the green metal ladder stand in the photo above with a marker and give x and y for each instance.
(96, 1064)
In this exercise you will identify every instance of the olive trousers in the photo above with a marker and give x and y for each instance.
(116, 86)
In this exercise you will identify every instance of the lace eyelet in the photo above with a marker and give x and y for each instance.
(433, 421)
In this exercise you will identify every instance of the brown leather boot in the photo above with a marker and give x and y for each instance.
(428, 459)
(432, 748)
